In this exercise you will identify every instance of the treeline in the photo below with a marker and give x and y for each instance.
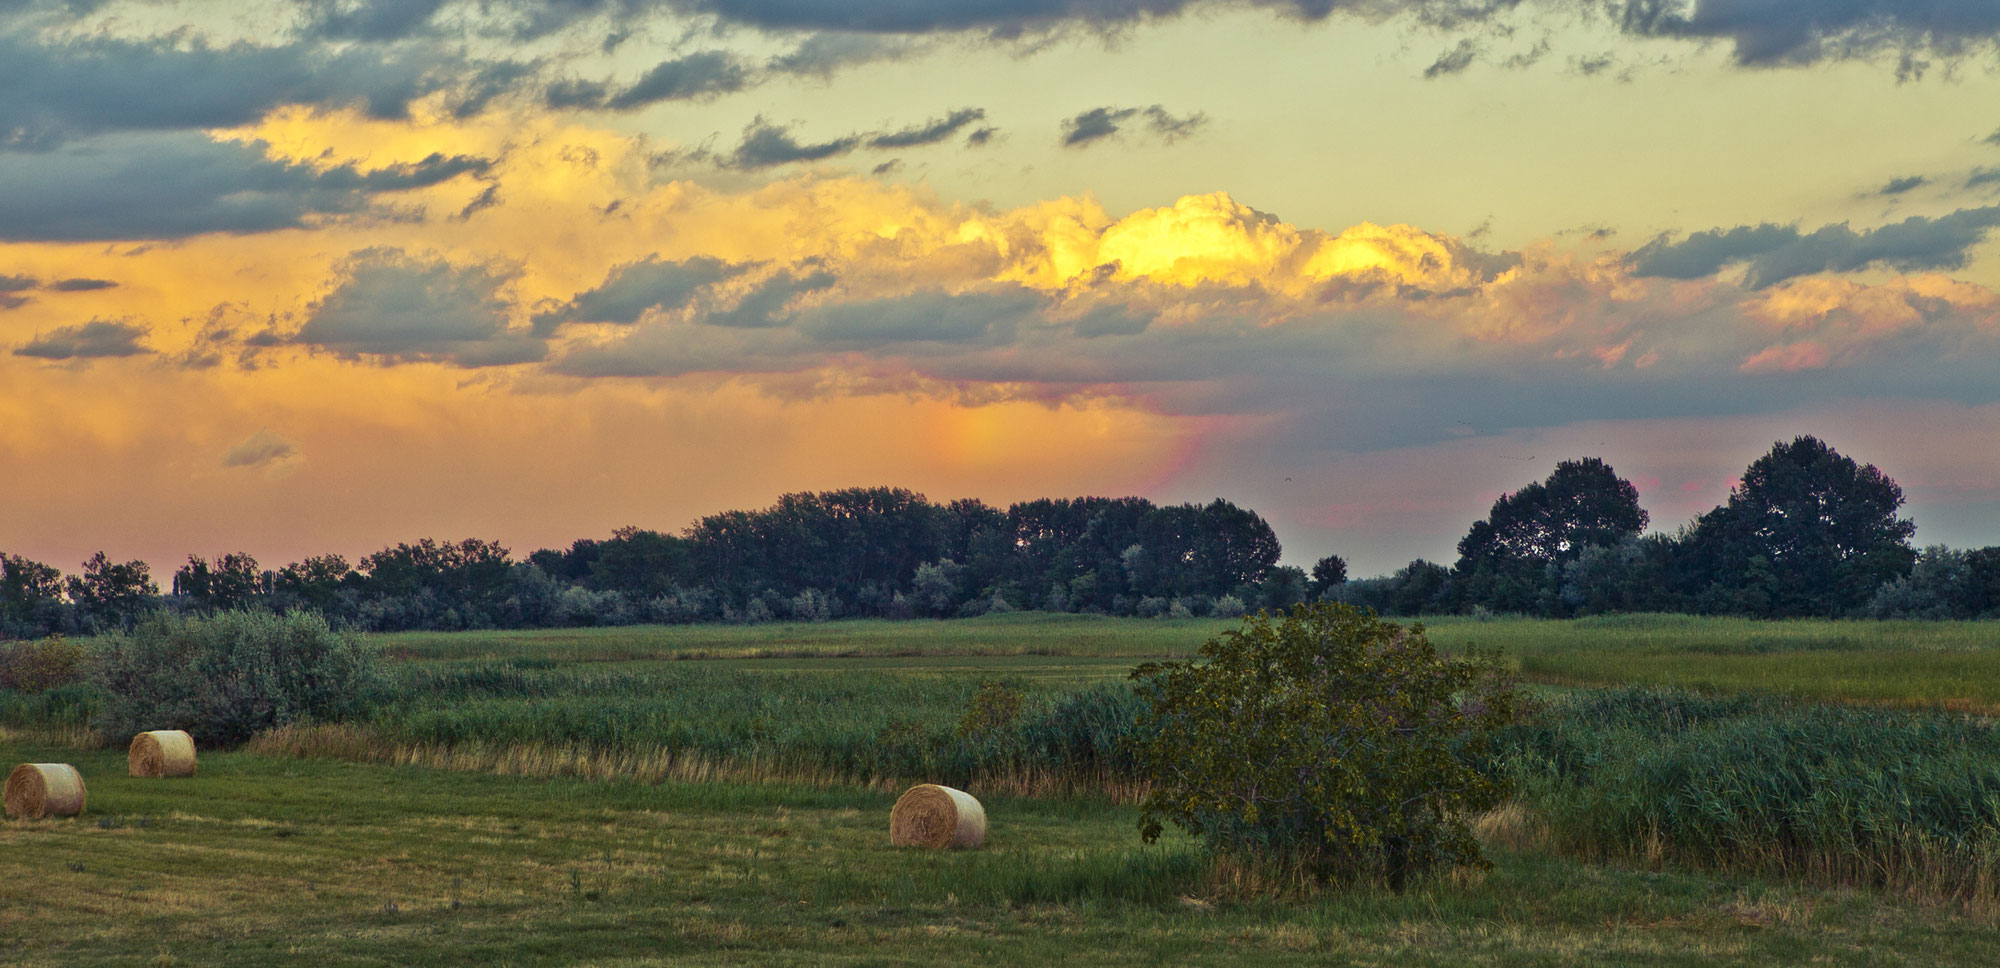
(1807, 532)
(884, 552)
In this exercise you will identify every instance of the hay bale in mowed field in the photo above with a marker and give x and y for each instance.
(937, 817)
(161, 752)
(37, 790)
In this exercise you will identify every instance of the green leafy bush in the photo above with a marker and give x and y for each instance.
(226, 677)
(993, 708)
(1329, 742)
(44, 665)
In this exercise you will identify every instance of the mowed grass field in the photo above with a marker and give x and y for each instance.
(261, 861)
(771, 846)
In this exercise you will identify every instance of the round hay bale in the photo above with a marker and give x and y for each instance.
(37, 790)
(937, 817)
(162, 752)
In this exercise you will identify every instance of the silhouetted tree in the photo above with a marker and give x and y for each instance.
(1511, 561)
(110, 595)
(1808, 532)
(1328, 573)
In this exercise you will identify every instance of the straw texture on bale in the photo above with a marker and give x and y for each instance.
(162, 752)
(37, 790)
(937, 817)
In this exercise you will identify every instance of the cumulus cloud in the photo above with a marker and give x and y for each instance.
(1098, 124)
(261, 449)
(393, 307)
(166, 186)
(1773, 253)
(92, 340)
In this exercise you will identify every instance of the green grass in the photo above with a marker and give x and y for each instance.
(1015, 634)
(491, 815)
(260, 860)
(1953, 664)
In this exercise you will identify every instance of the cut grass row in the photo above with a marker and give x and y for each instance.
(262, 859)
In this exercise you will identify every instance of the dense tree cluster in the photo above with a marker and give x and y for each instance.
(1807, 532)
(856, 552)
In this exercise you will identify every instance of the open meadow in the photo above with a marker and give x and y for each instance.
(720, 795)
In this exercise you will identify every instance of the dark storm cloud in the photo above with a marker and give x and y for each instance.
(1097, 124)
(929, 133)
(1774, 253)
(765, 145)
(633, 290)
(1767, 33)
(395, 308)
(173, 185)
(1454, 60)
(63, 90)
(1759, 32)
(94, 339)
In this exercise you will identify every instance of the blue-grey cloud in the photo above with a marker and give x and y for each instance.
(1454, 60)
(262, 449)
(1983, 176)
(1098, 124)
(60, 90)
(395, 308)
(704, 74)
(81, 285)
(173, 185)
(1897, 186)
(764, 305)
(766, 145)
(929, 133)
(631, 291)
(1774, 253)
(1760, 33)
(16, 283)
(95, 339)
(923, 317)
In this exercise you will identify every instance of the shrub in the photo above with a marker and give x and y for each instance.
(226, 677)
(993, 708)
(41, 666)
(1329, 742)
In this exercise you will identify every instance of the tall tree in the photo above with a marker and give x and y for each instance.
(1328, 573)
(1511, 560)
(1807, 532)
(111, 595)
(30, 597)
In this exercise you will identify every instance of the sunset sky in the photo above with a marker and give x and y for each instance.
(306, 276)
